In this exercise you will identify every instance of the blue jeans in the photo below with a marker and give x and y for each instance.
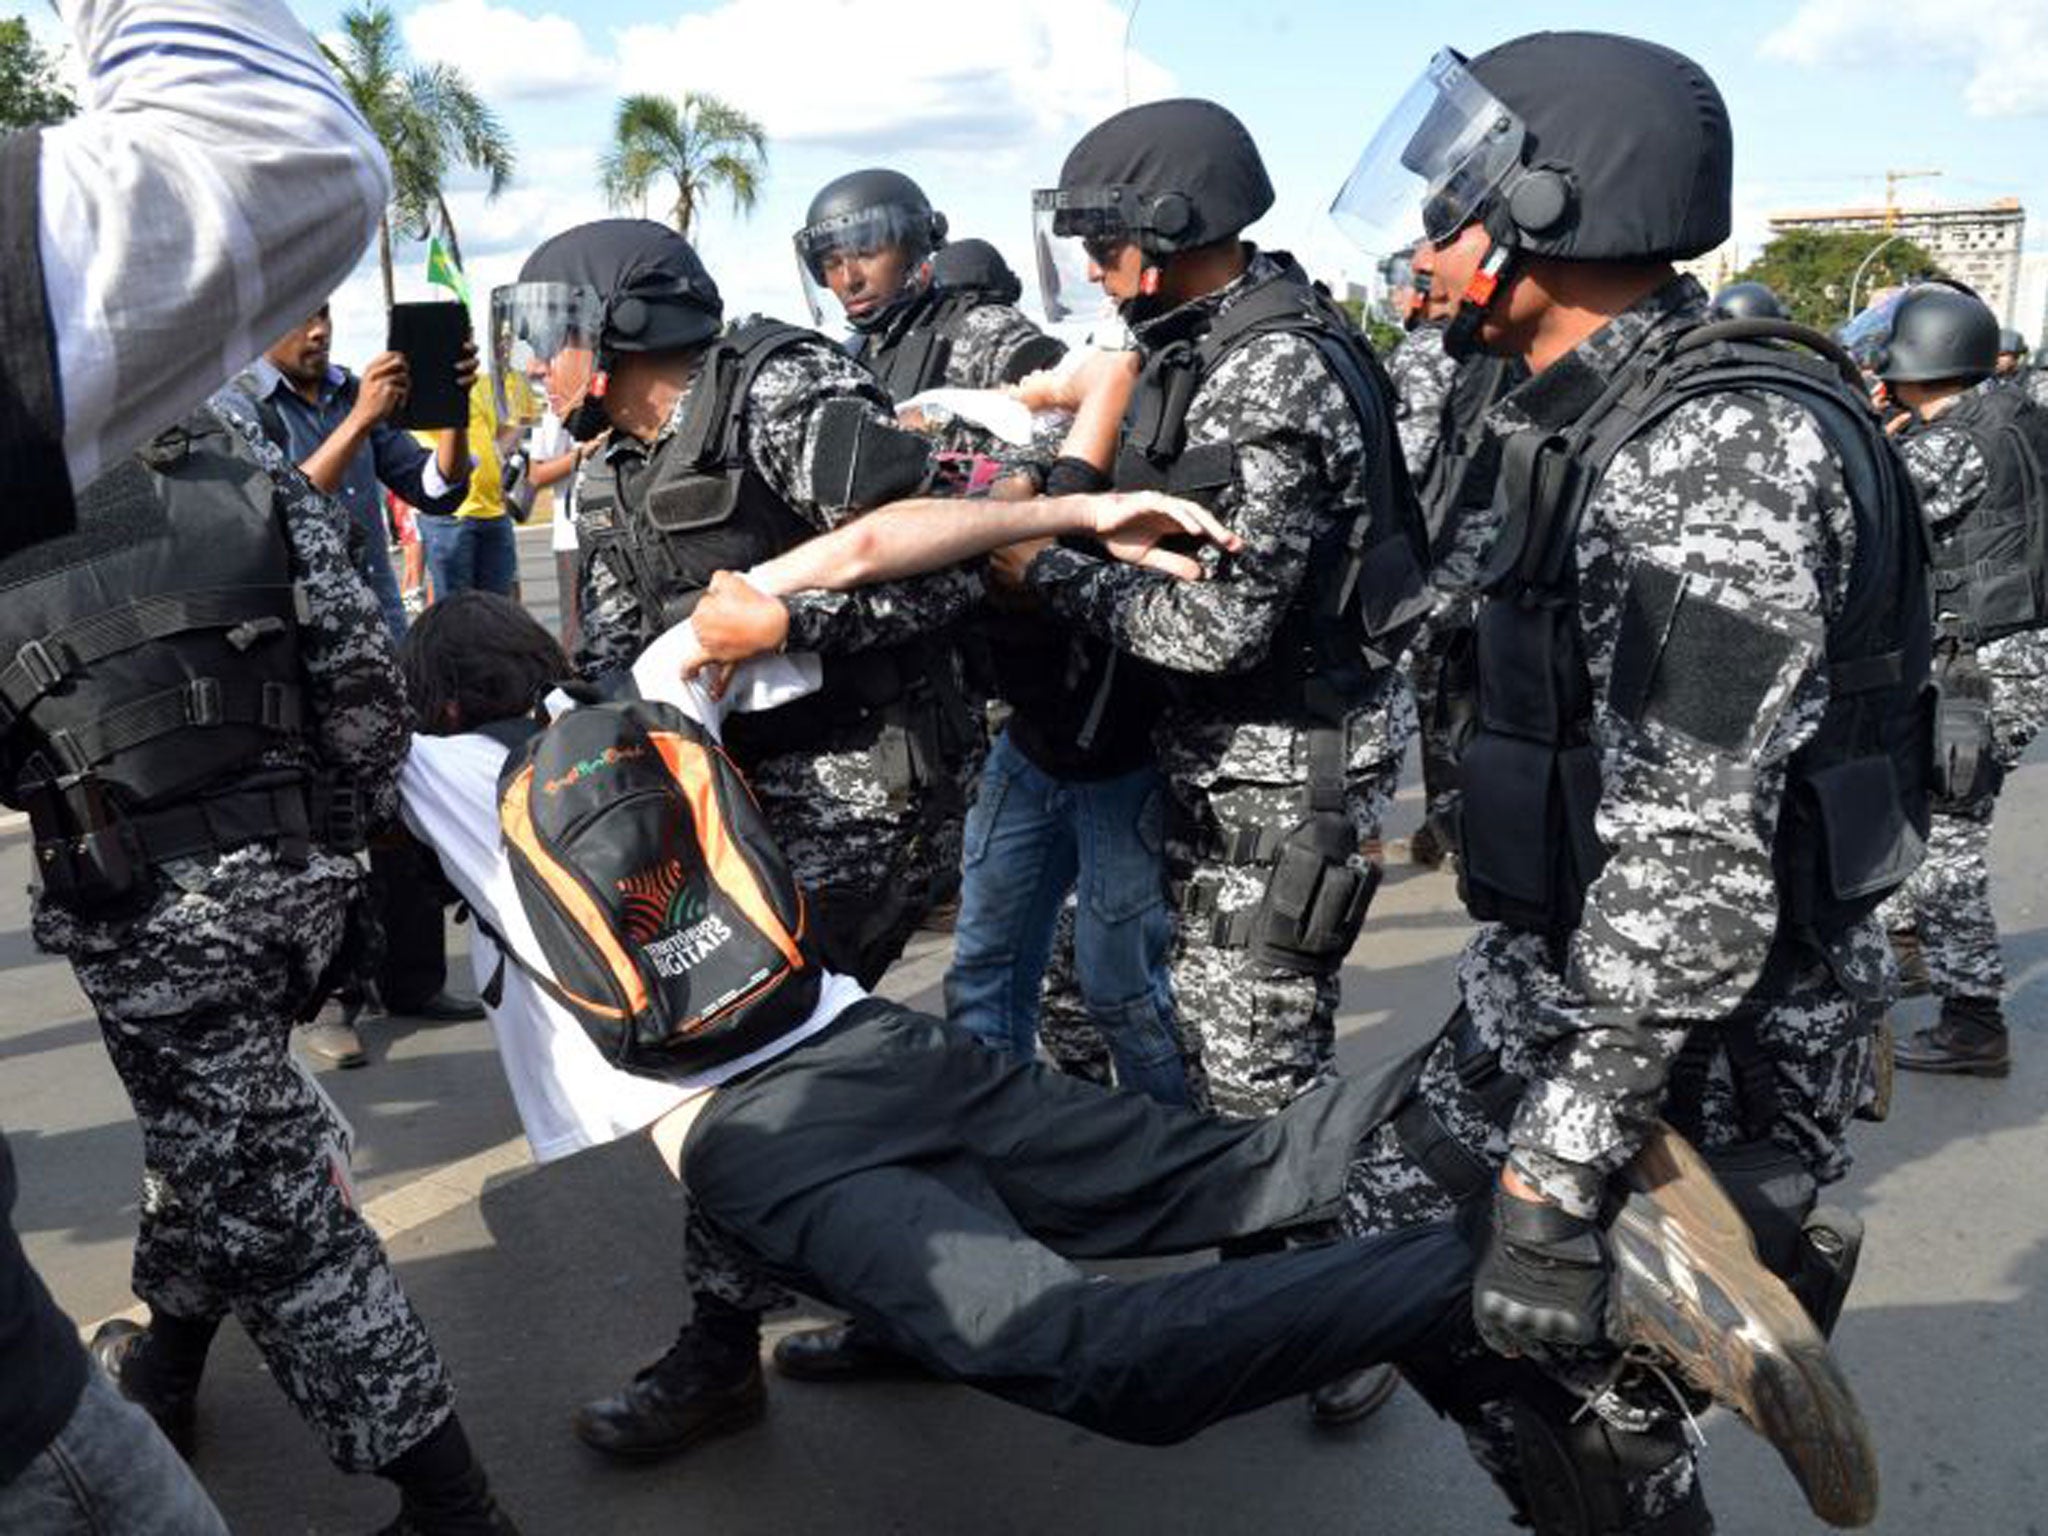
(108, 1473)
(466, 554)
(1030, 839)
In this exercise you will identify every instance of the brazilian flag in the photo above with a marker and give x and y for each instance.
(442, 271)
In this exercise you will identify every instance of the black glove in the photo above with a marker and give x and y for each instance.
(1542, 1278)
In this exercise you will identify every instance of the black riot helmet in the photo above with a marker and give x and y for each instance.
(2011, 343)
(601, 289)
(975, 266)
(1168, 176)
(1748, 301)
(860, 214)
(1937, 334)
(1578, 146)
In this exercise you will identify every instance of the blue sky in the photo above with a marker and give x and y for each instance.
(980, 100)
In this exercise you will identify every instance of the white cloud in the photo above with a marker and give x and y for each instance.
(505, 51)
(2003, 49)
(847, 74)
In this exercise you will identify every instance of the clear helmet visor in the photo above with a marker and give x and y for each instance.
(854, 266)
(1068, 288)
(1443, 151)
(544, 344)
(1401, 292)
(1867, 335)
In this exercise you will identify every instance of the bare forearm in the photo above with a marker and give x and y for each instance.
(911, 537)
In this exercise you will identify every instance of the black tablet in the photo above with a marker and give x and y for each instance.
(431, 337)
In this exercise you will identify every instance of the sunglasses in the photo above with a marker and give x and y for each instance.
(1102, 249)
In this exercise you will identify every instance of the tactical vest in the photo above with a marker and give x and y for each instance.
(154, 663)
(1365, 588)
(1991, 567)
(913, 352)
(1854, 816)
(1459, 478)
(697, 507)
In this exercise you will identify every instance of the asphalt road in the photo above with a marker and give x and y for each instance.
(548, 1286)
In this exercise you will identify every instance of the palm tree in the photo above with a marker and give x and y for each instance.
(429, 120)
(703, 143)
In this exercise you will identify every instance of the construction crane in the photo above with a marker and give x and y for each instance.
(1891, 193)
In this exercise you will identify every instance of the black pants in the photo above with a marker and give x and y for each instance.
(938, 1192)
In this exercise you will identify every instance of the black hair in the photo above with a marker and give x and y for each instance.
(476, 657)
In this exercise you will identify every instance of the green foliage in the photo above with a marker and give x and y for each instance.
(700, 144)
(430, 121)
(32, 94)
(1810, 271)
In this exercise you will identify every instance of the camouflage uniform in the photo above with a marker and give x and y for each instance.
(1742, 494)
(1234, 758)
(1947, 900)
(1421, 372)
(246, 1205)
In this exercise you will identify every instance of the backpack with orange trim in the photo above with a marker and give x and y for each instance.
(675, 931)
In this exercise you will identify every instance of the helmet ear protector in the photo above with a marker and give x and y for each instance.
(1541, 200)
(627, 316)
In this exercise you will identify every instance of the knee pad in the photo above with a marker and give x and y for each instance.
(1586, 1478)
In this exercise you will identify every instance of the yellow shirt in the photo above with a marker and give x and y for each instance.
(486, 496)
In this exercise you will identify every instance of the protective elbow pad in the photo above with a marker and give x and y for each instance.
(862, 459)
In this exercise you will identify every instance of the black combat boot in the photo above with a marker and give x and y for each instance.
(442, 1489)
(1353, 1396)
(709, 1383)
(841, 1352)
(1968, 1039)
(158, 1369)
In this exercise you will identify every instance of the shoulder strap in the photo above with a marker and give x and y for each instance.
(709, 437)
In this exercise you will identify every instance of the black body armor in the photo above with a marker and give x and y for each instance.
(152, 666)
(1854, 819)
(698, 506)
(1366, 587)
(1991, 568)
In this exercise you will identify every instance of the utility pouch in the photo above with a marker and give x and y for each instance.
(1966, 771)
(1315, 899)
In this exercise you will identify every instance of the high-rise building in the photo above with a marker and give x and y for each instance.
(1978, 244)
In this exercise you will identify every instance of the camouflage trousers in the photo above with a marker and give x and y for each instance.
(1257, 1035)
(246, 1204)
(1947, 903)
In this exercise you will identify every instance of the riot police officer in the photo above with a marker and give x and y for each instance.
(202, 716)
(870, 250)
(1974, 445)
(729, 445)
(1749, 300)
(1680, 688)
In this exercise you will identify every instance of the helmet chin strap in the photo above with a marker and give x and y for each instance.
(1461, 336)
(589, 418)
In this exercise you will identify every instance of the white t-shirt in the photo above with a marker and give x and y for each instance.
(568, 1095)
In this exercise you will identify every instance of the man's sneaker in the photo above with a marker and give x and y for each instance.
(841, 1352)
(331, 1038)
(1353, 1396)
(1689, 1286)
(1969, 1039)
(121, 1350)
(696, 1390)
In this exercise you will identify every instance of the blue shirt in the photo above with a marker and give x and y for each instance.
(392, 458)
